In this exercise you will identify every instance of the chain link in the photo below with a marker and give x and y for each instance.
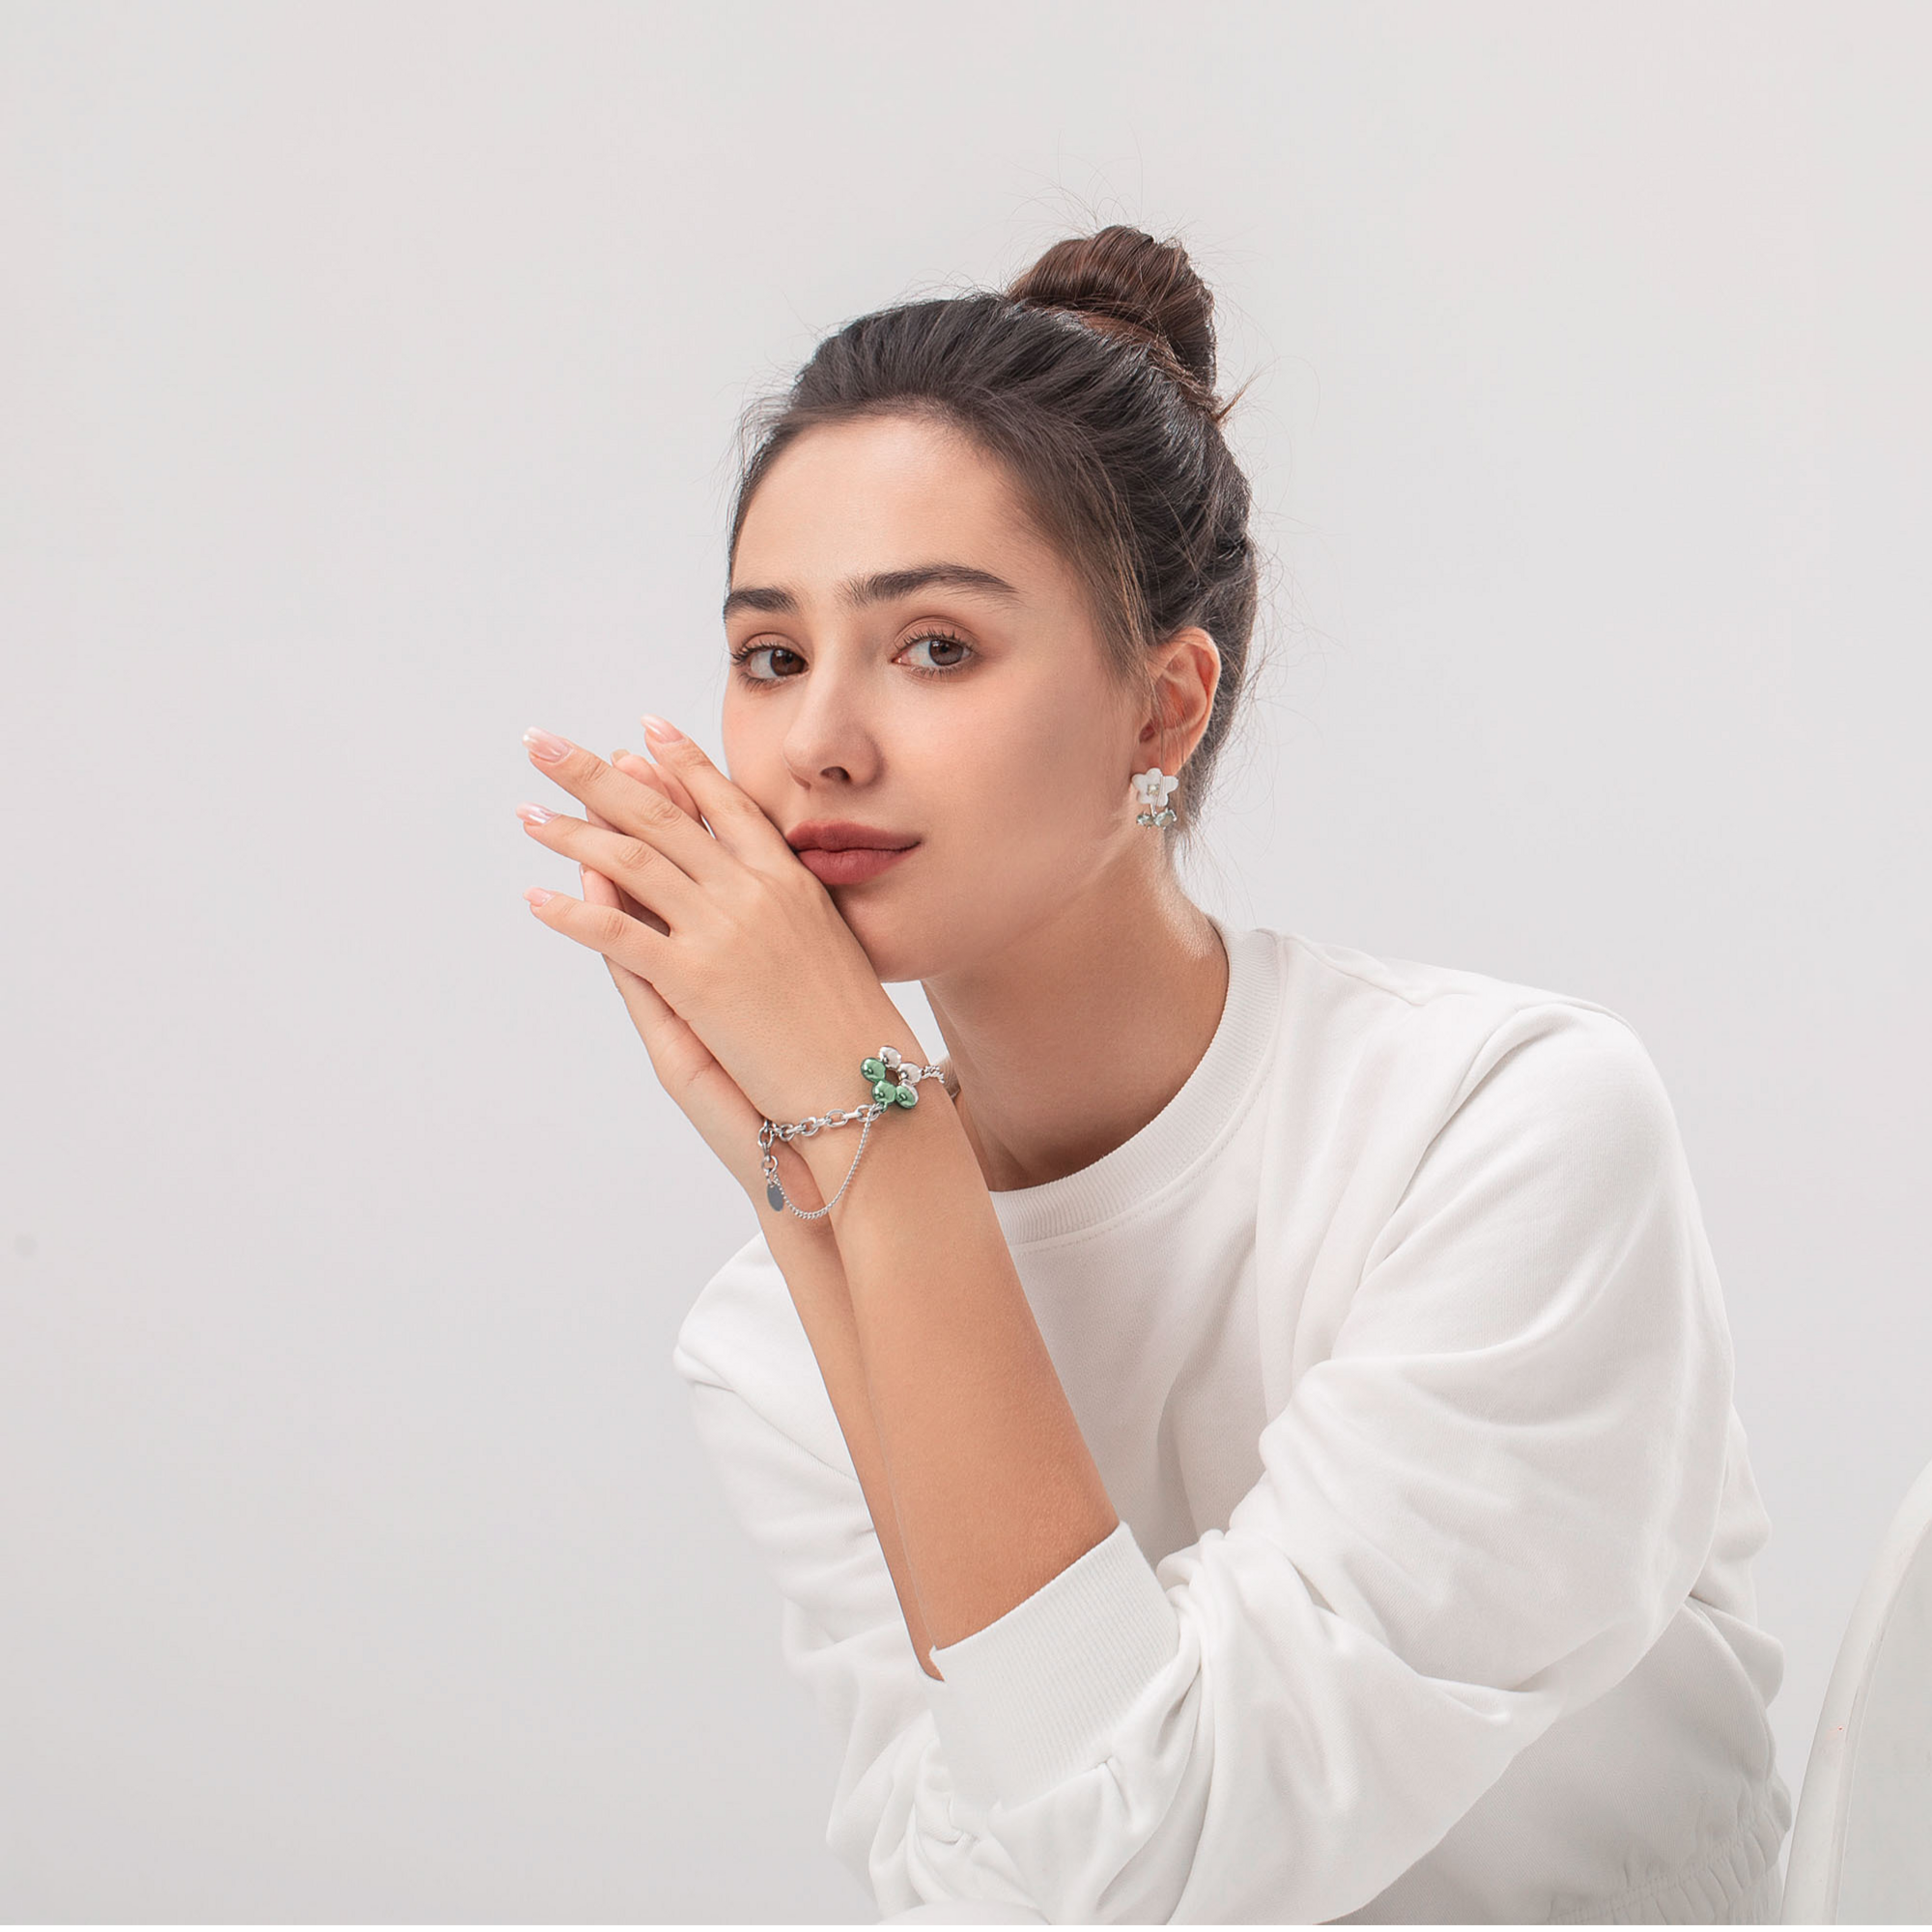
(775, 1131)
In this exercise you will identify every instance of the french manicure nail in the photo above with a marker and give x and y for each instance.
(658, 727)
(545, 745)
(534, 815)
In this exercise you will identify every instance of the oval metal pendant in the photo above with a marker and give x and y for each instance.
(774, 1194)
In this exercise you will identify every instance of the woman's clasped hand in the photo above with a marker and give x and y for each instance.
(751, 993)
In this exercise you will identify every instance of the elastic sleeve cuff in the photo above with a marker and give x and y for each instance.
(1036, 1696)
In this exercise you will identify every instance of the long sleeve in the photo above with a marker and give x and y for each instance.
(1476, 1514)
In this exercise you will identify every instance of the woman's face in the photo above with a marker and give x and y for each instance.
(974, 721)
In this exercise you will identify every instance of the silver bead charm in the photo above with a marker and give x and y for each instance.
(1154, 787)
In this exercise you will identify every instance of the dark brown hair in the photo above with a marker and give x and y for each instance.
(1091, 377)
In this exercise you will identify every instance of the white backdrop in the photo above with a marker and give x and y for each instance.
(367, 376)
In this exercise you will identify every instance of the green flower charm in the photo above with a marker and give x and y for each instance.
(881, 1070)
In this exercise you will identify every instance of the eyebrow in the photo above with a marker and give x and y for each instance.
(883, 586)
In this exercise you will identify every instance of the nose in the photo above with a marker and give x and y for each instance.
(828, 738)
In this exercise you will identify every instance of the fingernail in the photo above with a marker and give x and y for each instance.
(538, 897)
(534, 815)
(656, 727)
(544, 745)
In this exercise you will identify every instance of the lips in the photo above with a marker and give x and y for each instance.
(842, 852)
(852, 865)
(842, 835)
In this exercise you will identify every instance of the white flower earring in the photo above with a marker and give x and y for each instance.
(1153, 789)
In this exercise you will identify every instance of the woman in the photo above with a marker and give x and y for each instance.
(1249, 1435)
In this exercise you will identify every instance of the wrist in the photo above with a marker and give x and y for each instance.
(832, 1153)
(829, 1155)
(836, 1082)
(802, 1190)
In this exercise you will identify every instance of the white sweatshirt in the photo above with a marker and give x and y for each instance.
(1400, 1348)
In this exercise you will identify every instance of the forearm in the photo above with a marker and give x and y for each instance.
(993, 1489)
(806, 1253)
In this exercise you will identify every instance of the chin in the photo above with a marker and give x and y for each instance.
(875, 929)
(898, 945)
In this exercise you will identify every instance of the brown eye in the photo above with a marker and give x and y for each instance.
(745, 652)
(948, 666)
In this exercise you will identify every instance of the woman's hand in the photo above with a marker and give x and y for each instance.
(712, 1100)
(749, 990)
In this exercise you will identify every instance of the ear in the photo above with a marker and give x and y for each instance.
(1186, 678)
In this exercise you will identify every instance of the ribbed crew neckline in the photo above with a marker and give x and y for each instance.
(1206, 1108)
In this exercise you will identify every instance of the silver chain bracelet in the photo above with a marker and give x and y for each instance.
(893, 1084)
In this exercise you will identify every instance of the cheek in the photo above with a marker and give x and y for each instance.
(750, 756)
(1038, 789)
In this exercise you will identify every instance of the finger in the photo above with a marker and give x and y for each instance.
(633, 765)
(635, 865)
(651, 1012)
(605, 929)
(623, 899)
(648, 1010)
(678, 1057)
(600, 889)
(735, 817)
(641, 811)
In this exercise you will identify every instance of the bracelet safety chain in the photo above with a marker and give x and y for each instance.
(893, 1084)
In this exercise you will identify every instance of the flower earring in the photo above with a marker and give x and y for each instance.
(1153, 789)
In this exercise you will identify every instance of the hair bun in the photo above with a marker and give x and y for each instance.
(1125, 282)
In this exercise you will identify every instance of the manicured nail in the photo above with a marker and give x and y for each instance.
(538, 897)
(544, 745)
(534, 815)
(656, 727)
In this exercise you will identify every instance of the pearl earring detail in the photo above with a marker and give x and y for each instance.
(1153, 789)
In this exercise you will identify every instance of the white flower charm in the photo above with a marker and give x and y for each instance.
(1153, 789)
